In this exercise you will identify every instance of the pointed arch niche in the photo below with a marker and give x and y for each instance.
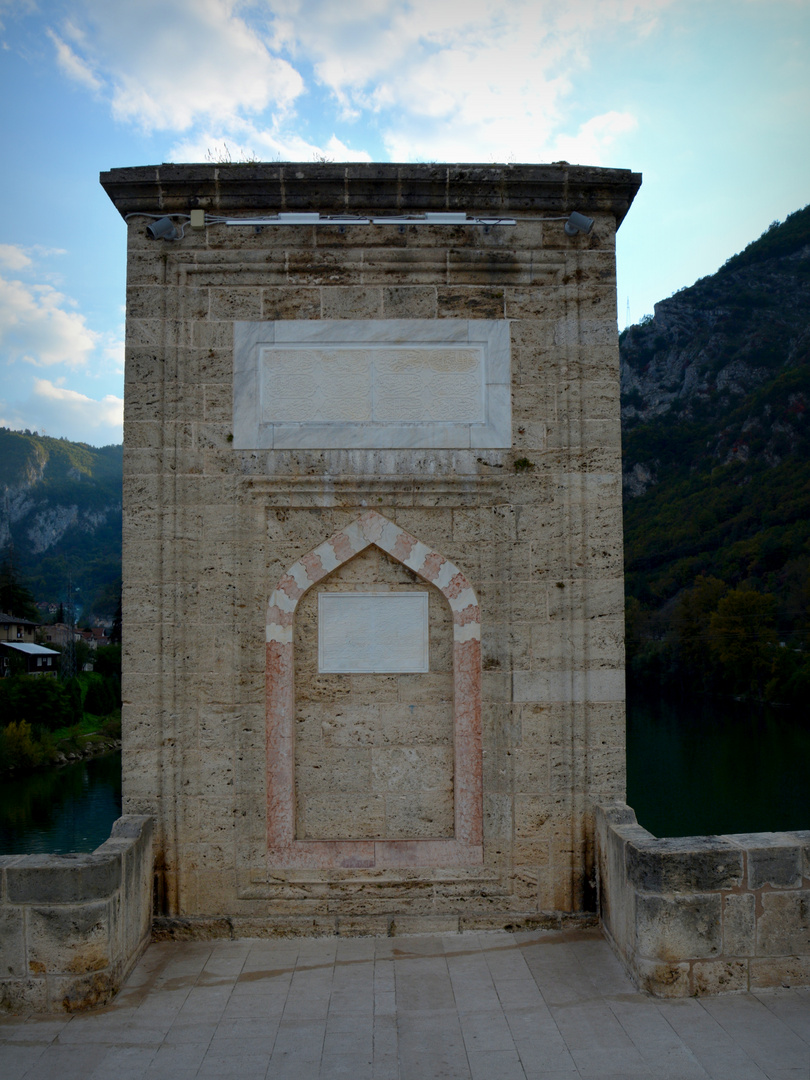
(465, 847)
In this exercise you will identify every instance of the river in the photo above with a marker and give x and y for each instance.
(70, 808)
(708, 765)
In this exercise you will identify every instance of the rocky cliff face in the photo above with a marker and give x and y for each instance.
(60, 508)
(716, 435)
(725, 362)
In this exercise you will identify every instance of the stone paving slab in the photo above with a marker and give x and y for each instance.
(473, 1006)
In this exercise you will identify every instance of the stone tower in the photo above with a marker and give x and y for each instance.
(373, 602)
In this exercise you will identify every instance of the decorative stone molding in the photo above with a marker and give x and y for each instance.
(465, 849)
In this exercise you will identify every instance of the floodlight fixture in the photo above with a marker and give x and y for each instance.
(578, 223)
(162, 229)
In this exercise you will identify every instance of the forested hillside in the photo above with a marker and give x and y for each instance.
(716, 436)
(60, 517)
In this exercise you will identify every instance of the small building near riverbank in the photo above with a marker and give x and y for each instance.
(33, 659)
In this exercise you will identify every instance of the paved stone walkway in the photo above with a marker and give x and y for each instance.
(485, 1006)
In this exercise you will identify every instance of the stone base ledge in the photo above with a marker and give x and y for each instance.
(702, 915)
(200, 928)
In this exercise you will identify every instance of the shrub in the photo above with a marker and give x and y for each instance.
(108, 660)
(18, 748)
(100, 699)
(44, 703)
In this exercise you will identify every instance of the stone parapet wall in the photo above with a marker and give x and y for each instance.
(701, 915)
(73, 926)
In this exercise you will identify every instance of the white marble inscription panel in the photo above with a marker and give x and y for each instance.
(372, 383)
(305, 385)
(387, 384)
(373, 632)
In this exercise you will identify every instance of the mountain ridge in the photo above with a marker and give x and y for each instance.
(716, 343)
(60, 513)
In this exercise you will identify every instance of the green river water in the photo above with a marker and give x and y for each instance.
(706, 766)
(71, 808)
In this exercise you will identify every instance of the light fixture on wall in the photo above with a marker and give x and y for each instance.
(578, 223)
(163, 229)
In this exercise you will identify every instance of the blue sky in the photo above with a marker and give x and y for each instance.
(709, 100)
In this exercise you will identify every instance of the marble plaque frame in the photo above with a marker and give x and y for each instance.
(284, 850)
(490, 338)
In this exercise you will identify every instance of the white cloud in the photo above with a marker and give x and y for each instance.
(112, 349)
(73, 66)
(41, 327)
(14, 257)
(174, 63)
(592, 143)
(60, 411)
(464, 83)
(16, 8)
(37, 325)
(438, 79)
(108, 412)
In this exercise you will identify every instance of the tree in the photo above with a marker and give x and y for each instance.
(743, 638)
(83, 654)
(108, 660)
(15, 598)
(43, 703)
(108, 665)
(691, 621)
(115, 633)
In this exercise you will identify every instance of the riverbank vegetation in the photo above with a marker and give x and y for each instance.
(46, 721)
(716, 639)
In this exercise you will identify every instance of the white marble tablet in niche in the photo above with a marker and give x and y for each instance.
(373, 632)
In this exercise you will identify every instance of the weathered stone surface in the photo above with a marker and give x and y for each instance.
(687, 915)
(360, 188)
(675, 928)
(783, 928)
(719, 976)
(19, 995)
(70, 939)
(739, 925)
(684, 864)
(663, 979)
(772, 860)
(62, 878)
(12, 943)
(783, 971)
